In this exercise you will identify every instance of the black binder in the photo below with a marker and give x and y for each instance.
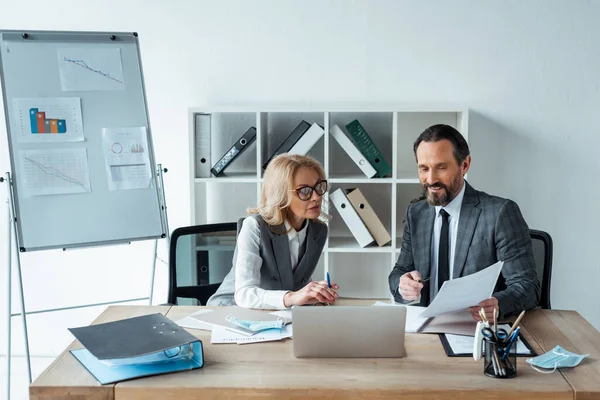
(290, 141)
(238, 147)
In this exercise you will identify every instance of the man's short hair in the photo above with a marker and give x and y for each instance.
(438, 132)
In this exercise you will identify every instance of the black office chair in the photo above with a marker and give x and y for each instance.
(199, 258)
(542, 252)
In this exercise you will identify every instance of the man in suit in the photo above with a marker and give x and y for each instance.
(458, 231)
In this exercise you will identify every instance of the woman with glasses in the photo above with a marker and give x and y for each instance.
(280, 242)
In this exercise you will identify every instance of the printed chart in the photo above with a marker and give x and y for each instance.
(48, 119)
(90, 69)
(127, 158)
(51, 172)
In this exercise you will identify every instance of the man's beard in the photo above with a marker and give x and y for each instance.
(444, 197)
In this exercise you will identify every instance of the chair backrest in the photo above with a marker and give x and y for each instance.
(542, 252)
(199, 258)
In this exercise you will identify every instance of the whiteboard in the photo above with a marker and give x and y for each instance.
(79, 138)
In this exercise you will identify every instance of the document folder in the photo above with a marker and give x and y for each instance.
(308, 140)
(290, 141)
(202, 136)
(368, 216)
(351, 218)
(367, 147)
(136, 347)
(238, 147)
(359, 159)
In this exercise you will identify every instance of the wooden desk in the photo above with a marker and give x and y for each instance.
(270, 371)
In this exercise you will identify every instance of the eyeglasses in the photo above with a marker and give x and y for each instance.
(306, 192)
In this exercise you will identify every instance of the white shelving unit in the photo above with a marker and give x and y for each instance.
(360, 272)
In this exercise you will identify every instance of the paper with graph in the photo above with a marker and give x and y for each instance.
(84, 69)
(47, 119)
(127, 158)
(51, 172)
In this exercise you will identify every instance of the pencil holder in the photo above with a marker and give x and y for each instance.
(500, 361)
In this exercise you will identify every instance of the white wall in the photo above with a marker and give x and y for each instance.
(528, 70)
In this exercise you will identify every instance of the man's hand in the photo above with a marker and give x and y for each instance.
(489, 306)
(410, 285)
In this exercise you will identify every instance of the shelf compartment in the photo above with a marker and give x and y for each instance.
(379, 127)
(410, 125)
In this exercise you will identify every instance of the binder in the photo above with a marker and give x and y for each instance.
(368, 216)
(136, 347)
(355, 154)
(202, 135)
(367, 147)
(238, 147)
(351, 218)
(290, 141)
(308, 140)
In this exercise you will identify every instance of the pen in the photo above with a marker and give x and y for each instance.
(328, 281)
(516, 323)
(424, 280)
(512, 339)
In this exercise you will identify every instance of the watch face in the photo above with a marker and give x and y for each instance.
(226, 159)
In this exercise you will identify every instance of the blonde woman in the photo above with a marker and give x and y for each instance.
(281, 241)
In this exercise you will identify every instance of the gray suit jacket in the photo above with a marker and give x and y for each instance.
(276, 270)
(490, 229)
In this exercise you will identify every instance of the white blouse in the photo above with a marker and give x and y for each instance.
(247, 267)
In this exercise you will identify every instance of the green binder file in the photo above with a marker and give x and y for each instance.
(365, 144)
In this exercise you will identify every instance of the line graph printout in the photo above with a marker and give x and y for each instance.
(90, 69)
(51, 172)
(127, 158)
(48, 119)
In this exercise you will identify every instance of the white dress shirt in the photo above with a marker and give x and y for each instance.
(453, 209)
(248, 263)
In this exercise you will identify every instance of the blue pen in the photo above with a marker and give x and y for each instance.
(514, 336)
(328, 281)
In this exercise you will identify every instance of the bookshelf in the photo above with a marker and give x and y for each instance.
(360, 272)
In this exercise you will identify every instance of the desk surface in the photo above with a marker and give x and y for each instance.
(269, 370)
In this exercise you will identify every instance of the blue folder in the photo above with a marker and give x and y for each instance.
(137, 347)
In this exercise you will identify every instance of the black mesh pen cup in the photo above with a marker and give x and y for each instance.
(500, 359)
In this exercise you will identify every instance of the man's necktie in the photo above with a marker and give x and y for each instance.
(444, 249)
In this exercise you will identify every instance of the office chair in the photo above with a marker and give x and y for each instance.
(542, 252)
(199, 259)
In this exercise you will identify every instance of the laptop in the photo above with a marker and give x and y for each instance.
(348, 331)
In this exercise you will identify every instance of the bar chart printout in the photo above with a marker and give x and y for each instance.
(48, 119)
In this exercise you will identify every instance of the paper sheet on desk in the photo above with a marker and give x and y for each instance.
(222, 335)
(413, 319)
(193, 323)
(461, 293)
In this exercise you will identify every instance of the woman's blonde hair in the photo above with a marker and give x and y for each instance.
(277, 187)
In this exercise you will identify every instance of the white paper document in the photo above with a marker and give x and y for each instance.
(47, 119)
(52, 172)
(83, 69)
(461, 293)
(461, 344)
(223, 335)
(414, 321)
(287, 314)
(127, 158)
(193, 323)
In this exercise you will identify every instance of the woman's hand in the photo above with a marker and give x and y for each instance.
(313, 292)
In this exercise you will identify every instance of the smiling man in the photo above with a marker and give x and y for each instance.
(458, 231)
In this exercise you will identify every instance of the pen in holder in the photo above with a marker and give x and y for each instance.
(500, 359)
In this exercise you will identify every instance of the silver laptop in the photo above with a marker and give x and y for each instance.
(348, 331)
